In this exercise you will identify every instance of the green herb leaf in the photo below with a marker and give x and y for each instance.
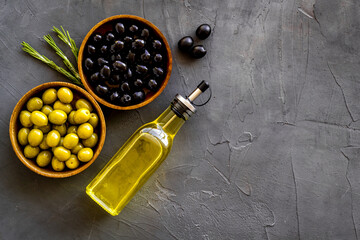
(65, 37)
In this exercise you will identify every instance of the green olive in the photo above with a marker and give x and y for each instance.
(77, 148)
(60, 128)
(44, 158)
(39, 118)
(72, 129)
(23, 136)
(31, 152)
(91, 141)
(85, 154)
(65, 95)
(44, 129)
(72, 162)
(83, 103)
(66, 107)
(94, 119)
(53, 138)
(25, 118)
(81, 116)
(70, 140)
(57, 165)
(34, 103)
(43, 145)
(85, 130)
(35, 137)
(71, 117)
(57, 117)
(49, 96)
(47, 109)
(62, 154)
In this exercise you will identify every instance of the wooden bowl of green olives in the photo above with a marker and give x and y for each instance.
(125, 62)
(57, 129)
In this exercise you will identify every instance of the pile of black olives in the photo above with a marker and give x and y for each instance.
(186, 43)
(125, 63)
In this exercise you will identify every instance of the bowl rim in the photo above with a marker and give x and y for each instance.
(83, 77)
(17, 148)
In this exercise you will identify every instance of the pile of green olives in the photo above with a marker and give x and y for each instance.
(58, 129)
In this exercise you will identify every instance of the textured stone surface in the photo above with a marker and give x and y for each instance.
(274, 155)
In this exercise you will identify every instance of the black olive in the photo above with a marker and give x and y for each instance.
(198, 51)
(138, 96)
(115, 57)
(102, 89)
(158, 58)
(134, 28)
(110, 37)
(131, 57)
(138, 83)
(128, 39)
(203, 31)
(125, 87)
(128, 74)
(185, 43)
(145, 33)
(115, 79)
(141, 69)
(95, 77)
(104, 50)
(105, 71)
(119, 66)
(97, 39)
(145, 56)
(117, 46)
(152, 84)
(138, 44)
(157, 44)
(158, 71)
(101, 62)
(125, 100)
(115, 97)
(91, 49)
(119, 28)
(89, 64)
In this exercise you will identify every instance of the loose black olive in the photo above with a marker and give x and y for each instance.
(158, 71)
(102, 89)
(105, 71)
(117, 46)
(115, 57)
(104, 50)
(145, 33)
(97, 39)
(157, 44)
(131, 57)
(198, 51)
(128, 39)
(119, 28)
(152, 84)
(141, 69)
(185, 43)
(128, 74)
(119, 66)
(203, 31)
(91, 49)
(115, 97)
(134, 28)
(101, 62)
(110, 37)
(138, 83)
(89, 64)
(158, 58)
(95, 77)
(125, 87)
(138, 96)
(125, 100)
(138, 44)
(145, 56)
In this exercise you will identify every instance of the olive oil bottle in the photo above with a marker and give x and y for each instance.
(141, 155)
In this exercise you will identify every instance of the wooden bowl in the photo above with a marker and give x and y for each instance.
(104, 26)
(15, 126)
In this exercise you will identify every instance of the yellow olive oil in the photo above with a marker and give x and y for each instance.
(140, 156)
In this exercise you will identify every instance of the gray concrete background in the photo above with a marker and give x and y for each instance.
(274, 155)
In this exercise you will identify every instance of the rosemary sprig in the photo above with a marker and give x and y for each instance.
(65, 37)
(58, 51)
(27, 48)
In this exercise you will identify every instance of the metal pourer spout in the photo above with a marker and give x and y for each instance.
(183, 107)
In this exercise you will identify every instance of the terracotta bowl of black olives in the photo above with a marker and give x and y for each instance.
(125, 62)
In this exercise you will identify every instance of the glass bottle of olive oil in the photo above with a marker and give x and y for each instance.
(141, 155)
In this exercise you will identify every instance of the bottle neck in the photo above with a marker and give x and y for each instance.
(170, 122)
